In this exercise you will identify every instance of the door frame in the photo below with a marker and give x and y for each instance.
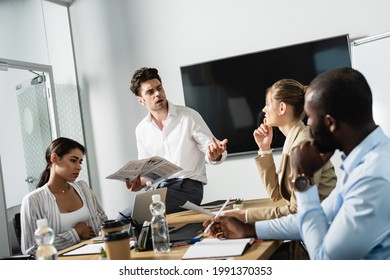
(5, 64)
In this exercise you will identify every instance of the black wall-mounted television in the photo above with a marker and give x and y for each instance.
(229, 93)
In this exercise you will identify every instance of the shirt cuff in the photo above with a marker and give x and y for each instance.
(262, 230)
(308, 199)
(75, 235)
(224, 156)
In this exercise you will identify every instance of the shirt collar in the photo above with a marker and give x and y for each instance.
(172, 111)
(357, 154)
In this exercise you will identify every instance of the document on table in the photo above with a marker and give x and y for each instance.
(217, 248)
(215, 205)
(86, 249)
(191, 206)
(154, 168)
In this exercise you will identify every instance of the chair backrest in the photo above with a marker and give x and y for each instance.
(17, 228)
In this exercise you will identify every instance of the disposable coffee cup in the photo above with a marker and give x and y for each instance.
(111, 225)
(116, 244)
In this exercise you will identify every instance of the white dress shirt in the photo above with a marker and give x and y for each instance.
(183, 141)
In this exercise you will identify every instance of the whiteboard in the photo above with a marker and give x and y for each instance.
(371, 56)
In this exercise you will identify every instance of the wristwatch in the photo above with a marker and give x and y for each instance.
(303, 182)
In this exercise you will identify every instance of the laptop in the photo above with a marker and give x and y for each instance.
(142, 202)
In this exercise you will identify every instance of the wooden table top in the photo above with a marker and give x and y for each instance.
(258, 250)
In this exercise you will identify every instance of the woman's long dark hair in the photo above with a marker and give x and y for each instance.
(60, 146)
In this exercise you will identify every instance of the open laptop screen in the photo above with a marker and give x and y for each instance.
(142, 202)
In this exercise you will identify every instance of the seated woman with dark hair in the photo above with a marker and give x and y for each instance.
(70, 206)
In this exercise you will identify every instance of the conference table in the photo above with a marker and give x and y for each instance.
(261, 249)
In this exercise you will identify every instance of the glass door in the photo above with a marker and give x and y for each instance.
(34, 125)
(28, 123)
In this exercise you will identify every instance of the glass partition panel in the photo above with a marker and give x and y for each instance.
(22, 31)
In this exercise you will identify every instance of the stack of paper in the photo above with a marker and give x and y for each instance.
(217, 248)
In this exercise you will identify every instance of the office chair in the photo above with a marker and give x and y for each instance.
(18, 233)
(17, 227)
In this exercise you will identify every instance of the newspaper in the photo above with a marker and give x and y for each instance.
(154, 169)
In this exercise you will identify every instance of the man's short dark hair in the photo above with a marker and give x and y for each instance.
(344, 94)
(141, 75)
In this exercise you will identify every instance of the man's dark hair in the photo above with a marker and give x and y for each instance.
(141, 75)
(344, 94)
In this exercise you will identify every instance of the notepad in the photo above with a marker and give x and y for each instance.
(217, 248)
(86, 249)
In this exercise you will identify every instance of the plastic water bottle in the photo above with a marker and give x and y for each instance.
(44, 237)
(159, 225)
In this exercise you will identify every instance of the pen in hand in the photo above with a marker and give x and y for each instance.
(216, 216)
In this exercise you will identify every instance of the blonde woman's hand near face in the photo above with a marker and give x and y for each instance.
(263, 136)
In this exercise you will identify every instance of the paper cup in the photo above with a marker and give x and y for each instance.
(117, 246)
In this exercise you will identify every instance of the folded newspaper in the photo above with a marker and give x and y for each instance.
(154, 168)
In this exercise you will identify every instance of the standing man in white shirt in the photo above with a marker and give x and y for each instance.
(178, 134)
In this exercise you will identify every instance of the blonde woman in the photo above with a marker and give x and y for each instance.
(284, 110)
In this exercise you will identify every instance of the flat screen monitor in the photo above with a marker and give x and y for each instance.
(229, 93)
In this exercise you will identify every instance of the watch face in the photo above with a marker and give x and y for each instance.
(301, 183)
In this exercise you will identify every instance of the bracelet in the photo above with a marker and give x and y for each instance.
(265, 152)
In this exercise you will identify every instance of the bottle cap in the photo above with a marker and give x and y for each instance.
(41, 223)
(156, 197)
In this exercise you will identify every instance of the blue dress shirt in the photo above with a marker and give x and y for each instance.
(354, 221)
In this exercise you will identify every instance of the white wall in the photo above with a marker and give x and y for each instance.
(370, 55)
(113, 38)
